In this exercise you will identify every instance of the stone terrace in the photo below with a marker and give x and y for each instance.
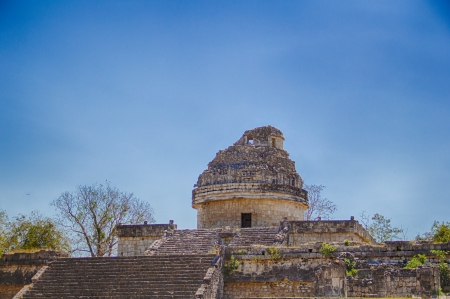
(123, 277)
(255, 236)
(188, 241)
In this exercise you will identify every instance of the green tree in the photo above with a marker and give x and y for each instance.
(32, 232)
(380, 227)
(3, 230)
(318, 205)
(444, 270)
(92, 213)
(440, 232)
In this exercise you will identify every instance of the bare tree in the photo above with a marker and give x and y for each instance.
(318, 206)
(92, 214)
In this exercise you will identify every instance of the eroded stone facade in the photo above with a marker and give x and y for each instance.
(264, 212)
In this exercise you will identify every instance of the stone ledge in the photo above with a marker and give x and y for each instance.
(144, 230)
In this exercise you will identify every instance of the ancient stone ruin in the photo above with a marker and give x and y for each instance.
(252, 183)
(251, 242)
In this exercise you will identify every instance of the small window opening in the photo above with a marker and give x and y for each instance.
(246, 220)
(273, 142)
(293, 182)
(250, 139)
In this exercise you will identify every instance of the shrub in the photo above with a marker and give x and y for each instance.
(444, 269)
(441, 232)
(233, 264)
(350, 269)
(416, 261)
(327, 249)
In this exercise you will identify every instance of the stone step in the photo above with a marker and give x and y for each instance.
(188, 242)
(124, 277)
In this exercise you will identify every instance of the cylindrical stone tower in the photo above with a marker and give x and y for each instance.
(252, 183)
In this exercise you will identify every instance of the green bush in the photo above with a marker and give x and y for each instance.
(327, 249)
(441, 232)
(350, 269)
(444, 269)
(231, 265)
(416, 261)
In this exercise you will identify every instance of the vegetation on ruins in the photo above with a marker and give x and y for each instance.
(273, 254)
(439, 233)
(327, 249)
(257, 258)
(318, 205)
(380, 227)
(30, 233)
(232, 264)
(350, 268)
(3, 224)
(416, 261)
(92, 213)
(444, 270)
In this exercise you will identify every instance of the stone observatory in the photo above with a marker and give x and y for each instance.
(252, 183)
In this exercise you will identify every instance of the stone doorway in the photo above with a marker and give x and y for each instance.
(246, 220)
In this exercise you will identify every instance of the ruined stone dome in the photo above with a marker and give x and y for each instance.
(257, 157)
(255, 166)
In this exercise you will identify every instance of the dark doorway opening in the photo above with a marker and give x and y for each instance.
(246, 220)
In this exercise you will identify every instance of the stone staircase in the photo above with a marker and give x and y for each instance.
(188, 241)
(122, 277)
(256, 236)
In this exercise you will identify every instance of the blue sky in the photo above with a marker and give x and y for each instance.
(144, 93)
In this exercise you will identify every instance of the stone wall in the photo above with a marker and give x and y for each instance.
(212, 287)
(391, 253)
(274, 289)
(264, 212)
(135, 239)
(17, 269)
(301, 232)
(388, 282)
(380, 270)
(267, 273)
